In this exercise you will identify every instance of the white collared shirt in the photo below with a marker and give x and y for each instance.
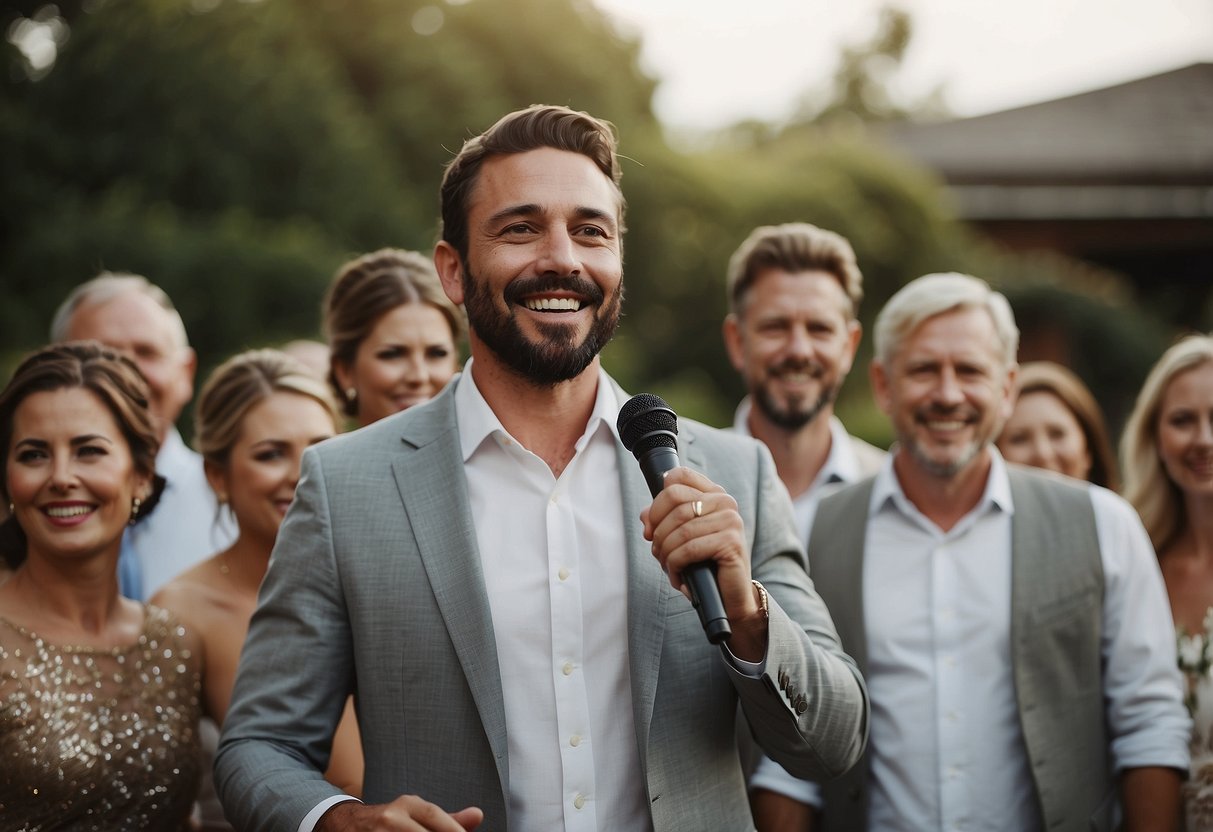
(841, 467)
(946, 746)
(185, 528)
(554, 555)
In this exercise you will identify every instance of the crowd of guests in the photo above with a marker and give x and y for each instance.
(1003, 620)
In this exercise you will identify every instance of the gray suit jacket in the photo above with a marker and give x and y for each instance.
(375, 587)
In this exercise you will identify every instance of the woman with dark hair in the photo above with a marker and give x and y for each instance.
(99, 695)
(392, 333)
(1167, 454)
(257, 413)
(1057, 425)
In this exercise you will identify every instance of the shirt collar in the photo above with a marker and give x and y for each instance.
(887, 491)
(477, 421)
(841, 464)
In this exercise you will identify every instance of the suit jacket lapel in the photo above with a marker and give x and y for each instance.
(433, 489)
(647, 584)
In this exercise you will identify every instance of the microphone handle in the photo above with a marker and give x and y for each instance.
(701, 577)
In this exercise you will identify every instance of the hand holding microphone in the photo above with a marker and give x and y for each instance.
(697, 534)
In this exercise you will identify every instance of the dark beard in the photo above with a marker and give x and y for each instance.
(556, 358)
(791, 418)
(794, 416)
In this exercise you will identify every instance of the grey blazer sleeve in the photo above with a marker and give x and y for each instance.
(270, 763)
(809, 709)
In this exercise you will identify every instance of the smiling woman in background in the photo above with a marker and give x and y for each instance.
(1057, 425)
(392, 332)
(1167, 452)
(256, 415)
(99, 694)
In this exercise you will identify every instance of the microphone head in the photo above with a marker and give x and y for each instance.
(646, 422)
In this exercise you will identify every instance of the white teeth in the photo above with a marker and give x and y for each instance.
(955, 425)
(68, 511)
(553, 304)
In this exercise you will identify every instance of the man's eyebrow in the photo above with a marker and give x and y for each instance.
(587, 213)
(529, 209)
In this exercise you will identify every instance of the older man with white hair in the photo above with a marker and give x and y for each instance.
(131, 315)
(1012, 625)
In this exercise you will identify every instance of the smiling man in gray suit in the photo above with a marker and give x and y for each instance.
(486, 574)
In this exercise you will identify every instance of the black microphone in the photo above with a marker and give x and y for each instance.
(648, 428)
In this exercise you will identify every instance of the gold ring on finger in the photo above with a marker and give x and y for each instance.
(697, 508)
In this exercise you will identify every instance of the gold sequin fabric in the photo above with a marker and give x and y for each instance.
(98, 739)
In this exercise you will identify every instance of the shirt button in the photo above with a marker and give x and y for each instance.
(567, 669)
(563, 574)
(575, 740)
(579, 801)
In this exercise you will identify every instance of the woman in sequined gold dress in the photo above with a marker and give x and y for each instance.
(256, 415)
(99, 695)
(1168, 467)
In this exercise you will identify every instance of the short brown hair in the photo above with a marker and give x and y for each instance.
(535, 127)
(793, 247)
(114, 380)
(367, 288)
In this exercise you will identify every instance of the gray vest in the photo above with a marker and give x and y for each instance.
(1056, 627)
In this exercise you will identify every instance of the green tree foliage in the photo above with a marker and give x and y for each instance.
(237, 151)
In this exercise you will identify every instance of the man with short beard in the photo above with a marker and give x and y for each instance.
(1012, 624)
(794, 292)
(489, 576)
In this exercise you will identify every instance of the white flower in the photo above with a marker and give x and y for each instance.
(1191, 651)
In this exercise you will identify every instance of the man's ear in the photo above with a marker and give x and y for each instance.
(1010, 392)
(878, 375)
(189, 369)
(731, 329)
(449, 265)
(854, 335)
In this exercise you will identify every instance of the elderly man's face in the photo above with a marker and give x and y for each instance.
(139, 328)
(947, 390)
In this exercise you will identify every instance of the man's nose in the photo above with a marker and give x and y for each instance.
(559, 254)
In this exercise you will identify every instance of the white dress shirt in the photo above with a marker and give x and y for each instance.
(185, 527)
(553, 551)
(554, 555)
(842, 466)
(946, 747)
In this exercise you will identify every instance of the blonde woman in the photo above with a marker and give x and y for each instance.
(1167, 459)
(257, 414)
(392, 333)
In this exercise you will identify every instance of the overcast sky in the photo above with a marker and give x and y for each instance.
(721, 61)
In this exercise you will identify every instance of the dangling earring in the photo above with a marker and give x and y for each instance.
(135, 503)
